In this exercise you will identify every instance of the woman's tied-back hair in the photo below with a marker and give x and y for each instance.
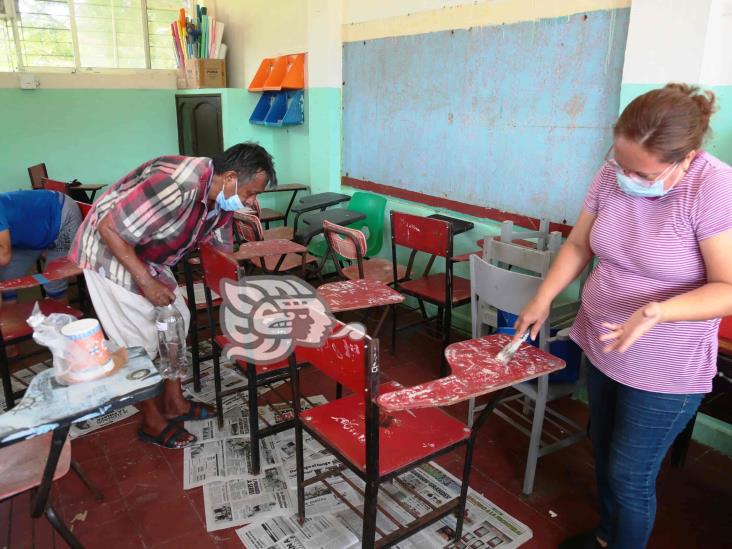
(247, 160)
(669, 122)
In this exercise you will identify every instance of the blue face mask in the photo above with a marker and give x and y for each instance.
(231, 204)
(631, 187)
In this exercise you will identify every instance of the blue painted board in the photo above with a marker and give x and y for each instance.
(516, 117)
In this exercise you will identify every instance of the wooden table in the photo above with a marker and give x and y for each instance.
(55, 270)
(262, 249)
(266, 248)
(353, 295)
(84, 193)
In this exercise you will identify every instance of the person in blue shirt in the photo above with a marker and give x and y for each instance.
(33, 223)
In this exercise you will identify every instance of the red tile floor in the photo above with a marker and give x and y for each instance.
(145, 505)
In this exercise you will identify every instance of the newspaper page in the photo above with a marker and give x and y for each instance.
(248, 501)
(236, 424)
(224, 460)
(313, 465)
(230, 379)
(286, 446)
(286, 533)
(204, 462)
(282, 411)
(485, 525)
(82, 428)
(237, 502)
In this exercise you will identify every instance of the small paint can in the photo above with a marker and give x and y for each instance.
(88, 336)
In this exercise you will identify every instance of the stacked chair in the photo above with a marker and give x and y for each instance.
(517, 270)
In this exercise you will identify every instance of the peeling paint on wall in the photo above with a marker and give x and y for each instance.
(515, 117)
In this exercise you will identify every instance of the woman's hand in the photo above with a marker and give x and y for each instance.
(157, 293)
(622, 336)
(532, 315)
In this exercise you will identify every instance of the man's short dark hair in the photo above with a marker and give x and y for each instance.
(247, 160)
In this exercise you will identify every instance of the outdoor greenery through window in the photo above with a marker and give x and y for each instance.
(124, 34)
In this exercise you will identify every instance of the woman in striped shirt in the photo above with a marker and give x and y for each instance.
(658, 216)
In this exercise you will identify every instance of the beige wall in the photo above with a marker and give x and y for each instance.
(256, 29)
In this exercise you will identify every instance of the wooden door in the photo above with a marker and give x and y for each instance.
(200, 131)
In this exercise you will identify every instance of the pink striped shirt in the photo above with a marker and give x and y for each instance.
(648, 250)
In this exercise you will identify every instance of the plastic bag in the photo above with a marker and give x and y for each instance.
(72, 363)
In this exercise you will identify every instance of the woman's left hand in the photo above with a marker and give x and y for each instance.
(622, 336)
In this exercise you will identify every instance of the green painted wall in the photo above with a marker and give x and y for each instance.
(98, 135)
(94, 135)
(323, 109)
(720, 142)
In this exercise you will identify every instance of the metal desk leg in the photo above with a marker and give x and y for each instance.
(40, 498)
(289, 206)
(193, 328)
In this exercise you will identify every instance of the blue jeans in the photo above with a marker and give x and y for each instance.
(631, 431)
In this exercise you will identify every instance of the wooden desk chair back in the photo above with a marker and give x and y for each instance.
(36, 174)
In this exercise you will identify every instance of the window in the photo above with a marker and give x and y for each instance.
(132, 34)
(160, 14)
(7, 46)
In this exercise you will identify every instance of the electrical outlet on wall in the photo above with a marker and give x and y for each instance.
(28, 81)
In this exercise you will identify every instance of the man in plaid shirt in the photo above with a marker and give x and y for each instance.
(139, 228)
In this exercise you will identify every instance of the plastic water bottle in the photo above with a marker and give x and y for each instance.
(171, 342)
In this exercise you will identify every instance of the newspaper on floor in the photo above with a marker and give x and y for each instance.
(226, 459)
(242, 501)
(485, 525)
(204, 462)
(230, 379)
(286, 533)
(236, 423)
(82, 428)
(313, 465)
(280, 412)
(247, 501)
(286, 446)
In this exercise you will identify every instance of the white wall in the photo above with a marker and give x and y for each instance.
(256, 29)
(359, 11)
(717, 66)
(679, 40)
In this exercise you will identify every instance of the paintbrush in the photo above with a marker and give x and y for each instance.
(506, 354)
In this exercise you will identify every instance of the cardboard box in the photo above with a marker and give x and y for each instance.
(205, 73)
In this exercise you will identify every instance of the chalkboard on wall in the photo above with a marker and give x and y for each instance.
(514, 117)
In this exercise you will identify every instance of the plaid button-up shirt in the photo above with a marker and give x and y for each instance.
(161, 209)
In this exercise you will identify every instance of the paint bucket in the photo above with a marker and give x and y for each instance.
(87, 336)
